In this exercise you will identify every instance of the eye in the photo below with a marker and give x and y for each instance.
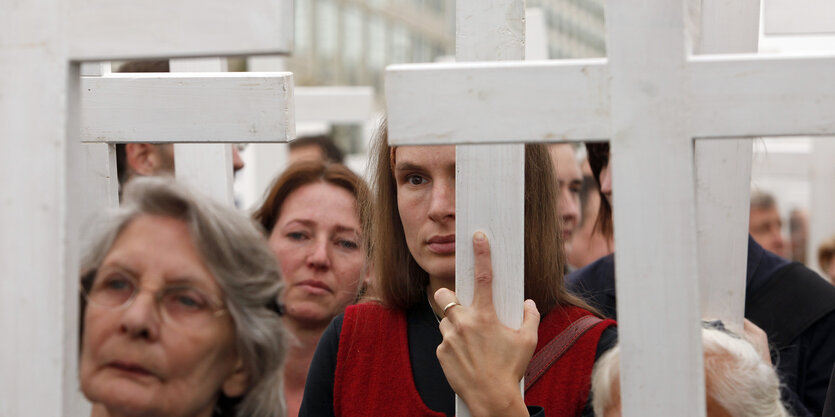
(184, 299)
(347, 244)
(115, 283)
(296, 236)
(415, 179)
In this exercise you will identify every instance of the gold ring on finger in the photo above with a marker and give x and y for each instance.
(450, 305)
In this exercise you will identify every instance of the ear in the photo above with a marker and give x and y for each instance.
(142, 158)
(237, 383)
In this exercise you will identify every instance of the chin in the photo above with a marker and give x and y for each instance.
(117, 396)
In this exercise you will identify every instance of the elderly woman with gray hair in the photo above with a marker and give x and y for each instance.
(739, 378)
(179, 314)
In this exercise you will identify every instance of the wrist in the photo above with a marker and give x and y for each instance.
(509, 405)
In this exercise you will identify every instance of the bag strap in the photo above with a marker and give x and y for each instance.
(549, 354)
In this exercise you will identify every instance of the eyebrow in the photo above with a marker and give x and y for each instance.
(407, 166)
(179, 280)
(309, 223)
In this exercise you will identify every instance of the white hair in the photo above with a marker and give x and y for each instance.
(235, 250)
(736, 378)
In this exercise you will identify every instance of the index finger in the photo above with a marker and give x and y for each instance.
(483, 271)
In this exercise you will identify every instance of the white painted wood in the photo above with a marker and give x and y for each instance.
(800, 89)
(39, 119)
(206, 167)
(99, 181)
(536, 35)
(723, 184)
(822, 207)
(481, 103)
(655, 244)
(38, 298)
(723, 176)
(334, 104)
(266, 63)
(184, 107)
(799, 16)
(104, 29)
(491, 30)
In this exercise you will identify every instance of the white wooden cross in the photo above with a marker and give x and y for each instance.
(652, 97)
(191, 107)
(42, 43)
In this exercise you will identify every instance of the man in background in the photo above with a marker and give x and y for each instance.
(765, 225)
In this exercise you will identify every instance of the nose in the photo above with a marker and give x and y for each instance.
(319, 258)
(569, 208)
(237, 161)
(140, 319)
(606, 181)
(442, 205)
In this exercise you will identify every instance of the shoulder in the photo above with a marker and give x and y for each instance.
(596, 275)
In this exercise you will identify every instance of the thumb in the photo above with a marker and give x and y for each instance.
(530, 321)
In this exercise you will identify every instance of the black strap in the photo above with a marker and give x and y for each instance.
(791, 301)
(555, 348)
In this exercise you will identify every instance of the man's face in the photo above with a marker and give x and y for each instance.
(765, 227)
(570, 180)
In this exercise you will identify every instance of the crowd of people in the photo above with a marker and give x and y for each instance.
(336, 298)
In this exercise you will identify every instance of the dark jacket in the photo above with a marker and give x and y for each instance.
(792, 304)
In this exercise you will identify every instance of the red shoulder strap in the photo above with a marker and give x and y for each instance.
(549, 354)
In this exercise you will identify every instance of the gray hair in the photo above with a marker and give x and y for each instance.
(736, 377)
(762, 200)
(236, 253)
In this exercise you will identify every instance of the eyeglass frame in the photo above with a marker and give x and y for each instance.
(88, 280)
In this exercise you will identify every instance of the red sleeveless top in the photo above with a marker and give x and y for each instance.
(374, 376)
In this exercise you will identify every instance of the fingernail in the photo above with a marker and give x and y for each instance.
(479, 236)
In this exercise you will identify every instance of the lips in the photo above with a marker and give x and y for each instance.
(314, 286)
(130, 368)
(443, 245)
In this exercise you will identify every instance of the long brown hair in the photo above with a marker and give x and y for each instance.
(401, 282)
(303, 173)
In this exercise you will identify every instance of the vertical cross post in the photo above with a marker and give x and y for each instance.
(647, 44)
(723, 175)
(491, 30)
(206, 167)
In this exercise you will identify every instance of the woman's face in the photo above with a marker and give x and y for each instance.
(425, 178)
(143, 358)
(317, 242)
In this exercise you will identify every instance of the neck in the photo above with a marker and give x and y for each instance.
(300, 353)
(435, 284)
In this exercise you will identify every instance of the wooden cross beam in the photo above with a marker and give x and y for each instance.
(652, 98)
(193, 110)
(43, 41)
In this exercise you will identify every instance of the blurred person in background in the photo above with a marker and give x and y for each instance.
(764, 223)
(312, 217)
(826, 258)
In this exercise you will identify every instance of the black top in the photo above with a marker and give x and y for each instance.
(829, 407)
(424, 336)
(803, 363)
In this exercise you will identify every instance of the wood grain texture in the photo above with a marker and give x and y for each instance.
(496, 102)
(38, 263)
(205, 167)
(121, 29)
(799, 90)
(655, 241)
(491, 30)
(188, 107)
(723, 176)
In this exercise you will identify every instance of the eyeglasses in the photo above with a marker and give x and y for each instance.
(182, 305)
